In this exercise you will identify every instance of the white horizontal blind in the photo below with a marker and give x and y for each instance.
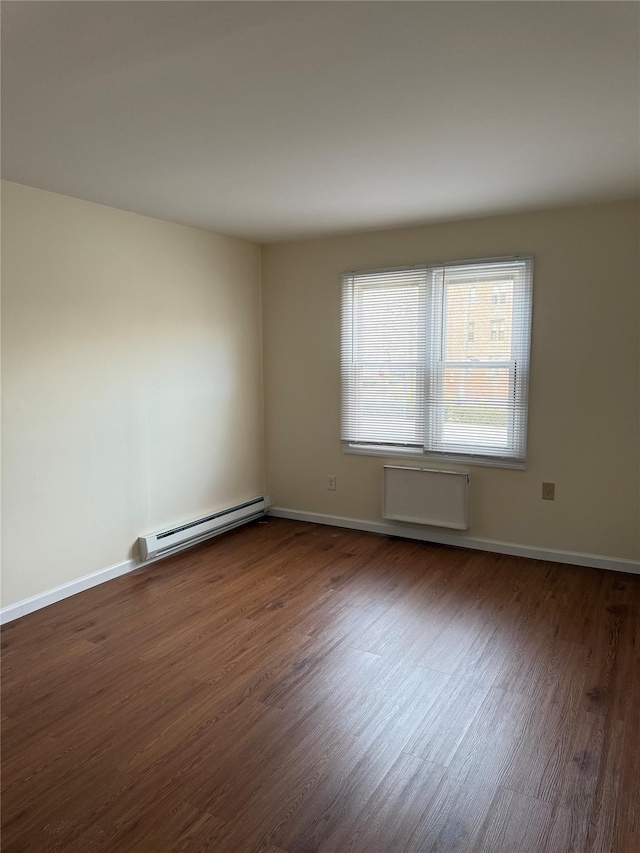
(384, 353)
(477, 396)
(436, 358)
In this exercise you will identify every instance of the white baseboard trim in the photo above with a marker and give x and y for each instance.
(594, 561)
(43, 599)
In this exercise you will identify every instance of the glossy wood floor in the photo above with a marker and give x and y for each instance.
(290, 687)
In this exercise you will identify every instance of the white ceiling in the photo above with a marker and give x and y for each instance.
(287, 119)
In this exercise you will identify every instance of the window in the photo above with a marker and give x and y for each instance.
(428, 368)
(499, 295)
(497, 330)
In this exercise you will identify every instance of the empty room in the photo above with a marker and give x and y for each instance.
(320, 426)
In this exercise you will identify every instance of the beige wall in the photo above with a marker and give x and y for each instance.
(131, 392)
(583, 422)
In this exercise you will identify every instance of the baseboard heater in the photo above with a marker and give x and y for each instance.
(191, 533)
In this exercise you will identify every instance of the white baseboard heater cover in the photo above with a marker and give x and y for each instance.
(425, 496)
(176, 538)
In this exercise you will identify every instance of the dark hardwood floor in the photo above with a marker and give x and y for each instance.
(290, 688)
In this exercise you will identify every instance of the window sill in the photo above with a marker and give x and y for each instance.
(461, 459)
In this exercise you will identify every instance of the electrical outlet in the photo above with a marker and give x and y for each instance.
(331, 482)
(548, 491)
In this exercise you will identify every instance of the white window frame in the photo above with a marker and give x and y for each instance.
(434, 370)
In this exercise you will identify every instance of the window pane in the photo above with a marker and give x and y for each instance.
(478, 319)
(390, 325)
(477, 403)
(389, 400)
(383, 358)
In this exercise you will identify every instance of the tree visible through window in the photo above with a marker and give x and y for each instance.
(435, 359)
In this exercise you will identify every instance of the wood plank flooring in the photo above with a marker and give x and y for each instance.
(290, 688)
